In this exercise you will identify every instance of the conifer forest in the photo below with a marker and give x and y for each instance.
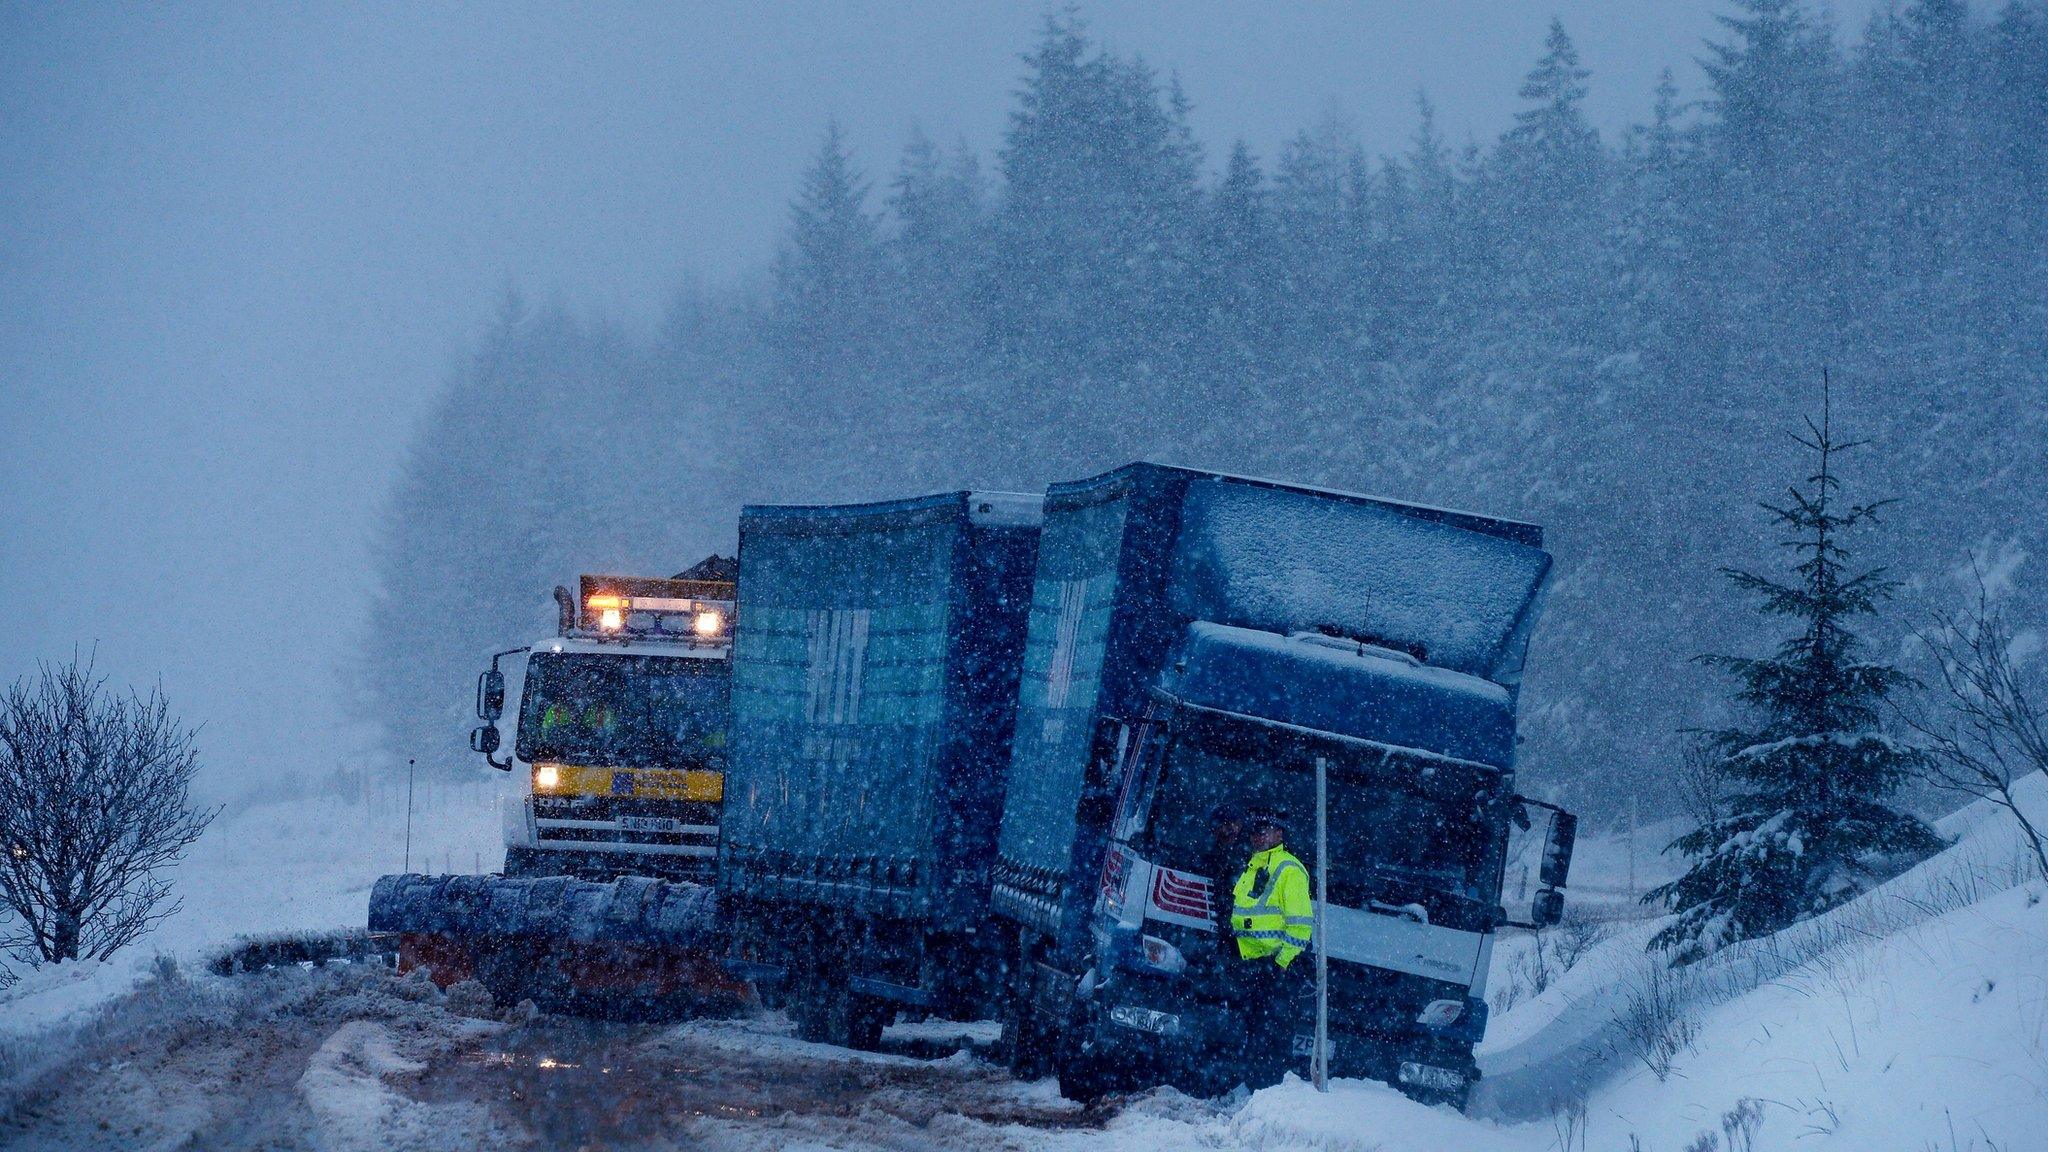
(1609, 334)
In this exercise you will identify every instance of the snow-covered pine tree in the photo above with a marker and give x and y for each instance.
(1552, 147)
(829, 334)
(1808, 824)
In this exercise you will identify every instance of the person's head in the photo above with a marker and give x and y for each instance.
(1225, 828)
(1265, 828)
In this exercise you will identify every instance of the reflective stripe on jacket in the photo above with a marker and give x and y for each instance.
(1273, 914)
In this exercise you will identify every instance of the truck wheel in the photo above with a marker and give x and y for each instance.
(520, 862)
(1085, 1077)
(865, 1020)
(1435, 1096)
(826, 1015)
(810, 1009)
(1025, 1045)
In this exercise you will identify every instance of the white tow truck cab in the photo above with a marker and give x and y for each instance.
(619, 729)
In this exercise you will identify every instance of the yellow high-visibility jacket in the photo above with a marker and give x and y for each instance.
(1273, 914)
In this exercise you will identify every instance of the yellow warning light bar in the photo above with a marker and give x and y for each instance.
(699, 611)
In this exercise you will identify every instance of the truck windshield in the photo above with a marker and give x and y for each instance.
(1401, 828)
(625, 711)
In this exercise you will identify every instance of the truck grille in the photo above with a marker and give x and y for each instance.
(627, 824)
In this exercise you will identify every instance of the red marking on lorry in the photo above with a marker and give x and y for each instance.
(1181, 894)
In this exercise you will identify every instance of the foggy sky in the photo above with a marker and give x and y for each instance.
(240, 248)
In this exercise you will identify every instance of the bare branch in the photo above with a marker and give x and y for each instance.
(1990, 730)
(94, 802)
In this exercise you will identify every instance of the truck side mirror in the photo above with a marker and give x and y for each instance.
(1538, 864)
(1557, 850)
(490, 694)
(484, 738)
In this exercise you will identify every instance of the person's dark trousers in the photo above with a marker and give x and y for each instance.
(1269, 1000)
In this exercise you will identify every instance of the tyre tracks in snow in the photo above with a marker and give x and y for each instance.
(348, 1058)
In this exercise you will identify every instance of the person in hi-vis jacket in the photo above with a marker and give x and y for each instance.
(1272, 917)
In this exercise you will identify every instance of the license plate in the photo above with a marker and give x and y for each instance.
(650, 824)
(1303, 1045)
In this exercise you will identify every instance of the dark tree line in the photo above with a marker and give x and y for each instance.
(1596, 334)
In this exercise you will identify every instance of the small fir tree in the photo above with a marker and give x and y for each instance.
(1807, 824)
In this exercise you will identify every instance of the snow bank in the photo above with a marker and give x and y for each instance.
(343, 1084)
(53, 993)
(1821, 1022)
(302, 864)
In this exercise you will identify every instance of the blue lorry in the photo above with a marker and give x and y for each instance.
(1197, 642)
(978, 739)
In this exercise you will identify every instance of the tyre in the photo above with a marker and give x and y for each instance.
(865, 1020)
(824, 1014)
(810, 1009)
(1085, 1076)
(522, 862)
(1436, 1096)
(1026, 1050)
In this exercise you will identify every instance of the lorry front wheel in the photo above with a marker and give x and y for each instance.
(827, 1015)
(1085, 1077)
(528, 862)
(1434, 1096)
(1026, 1047)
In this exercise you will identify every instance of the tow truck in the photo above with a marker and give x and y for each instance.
(619, 729)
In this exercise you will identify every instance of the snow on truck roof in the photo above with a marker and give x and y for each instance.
(1462, 592)
(983, 509)
(1519, 531)
(677, 648)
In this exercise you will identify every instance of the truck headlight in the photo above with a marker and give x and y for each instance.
(1145, 1020)
(1432, 1077)
(1441, 1013)
(1160, 956)
(709, 623)
(546, 776)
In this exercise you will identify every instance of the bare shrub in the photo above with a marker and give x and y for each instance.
(1569, 1125)
(1702, 782)
(1990, 729)
(1655, 1024)
(94, 803)
(1573, 937)
(1741, 1124)
(1531, 969)
(1552, 952)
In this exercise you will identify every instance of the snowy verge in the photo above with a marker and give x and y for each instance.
(1621, 1035)
(297, 865)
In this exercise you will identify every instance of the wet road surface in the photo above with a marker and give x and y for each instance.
(348, 1058)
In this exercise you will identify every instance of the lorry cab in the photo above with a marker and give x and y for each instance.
(620, 730)
(1420, 811)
